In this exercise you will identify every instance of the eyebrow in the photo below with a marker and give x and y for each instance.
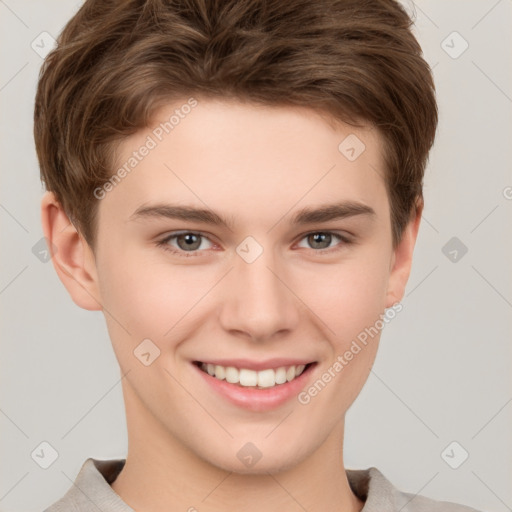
(309, 215)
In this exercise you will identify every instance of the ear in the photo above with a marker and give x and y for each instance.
(401, 260)
(71, 255)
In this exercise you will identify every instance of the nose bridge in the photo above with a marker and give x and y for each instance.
(259, 303)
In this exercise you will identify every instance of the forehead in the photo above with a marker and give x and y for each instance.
(247, 159)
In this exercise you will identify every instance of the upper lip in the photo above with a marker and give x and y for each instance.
(274, 363)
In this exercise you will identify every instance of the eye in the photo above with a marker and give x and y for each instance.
(187, 242)
(321, 240)
(190, 243)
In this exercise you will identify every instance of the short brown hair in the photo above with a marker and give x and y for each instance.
(117, 61)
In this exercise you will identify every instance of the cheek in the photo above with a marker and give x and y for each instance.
(350, 310)
(348, 296)
(149, 299)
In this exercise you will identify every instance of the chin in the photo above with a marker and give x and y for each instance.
(247, 459)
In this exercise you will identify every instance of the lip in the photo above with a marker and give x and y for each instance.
(248, 364)
(257, 400)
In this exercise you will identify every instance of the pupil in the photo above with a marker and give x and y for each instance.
(321, 238)
(190, 240)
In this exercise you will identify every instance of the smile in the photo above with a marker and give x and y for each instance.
(262, 379)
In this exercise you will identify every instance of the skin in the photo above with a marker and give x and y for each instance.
(256, 165)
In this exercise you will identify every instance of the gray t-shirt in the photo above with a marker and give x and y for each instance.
(92, 492)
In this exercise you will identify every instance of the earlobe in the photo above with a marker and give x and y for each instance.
(402, 259)
(72, 257)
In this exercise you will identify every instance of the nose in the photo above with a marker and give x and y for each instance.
(259, 301)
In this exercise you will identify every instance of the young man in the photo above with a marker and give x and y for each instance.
(237, 185)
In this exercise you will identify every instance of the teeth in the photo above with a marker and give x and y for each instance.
(267, 378)
(231, 373)
(280, 375)
(250, 378)
(220, 372)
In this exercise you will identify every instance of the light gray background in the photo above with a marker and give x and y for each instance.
(443, 372)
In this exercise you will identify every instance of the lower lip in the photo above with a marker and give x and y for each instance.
(257, 400)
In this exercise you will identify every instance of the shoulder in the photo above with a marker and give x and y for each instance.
(408, 502)
(380, 495)
(91, 489)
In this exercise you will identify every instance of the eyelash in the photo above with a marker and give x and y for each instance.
(164, 244)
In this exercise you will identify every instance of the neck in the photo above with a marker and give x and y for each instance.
(162, 474)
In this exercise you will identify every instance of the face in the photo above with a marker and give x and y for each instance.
(257, 281)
